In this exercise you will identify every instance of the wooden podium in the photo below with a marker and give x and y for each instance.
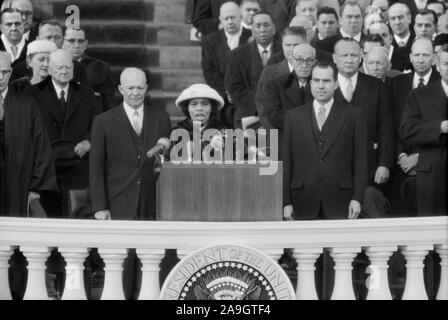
(219, 192)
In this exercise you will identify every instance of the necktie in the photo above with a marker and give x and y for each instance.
(136, 122)
(349, 90)
(321, 117)
(14, 50)
(264, 58)
(421, 83)
(62, 101)
(2, 111)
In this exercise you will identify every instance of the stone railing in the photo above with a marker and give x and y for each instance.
(379, 238)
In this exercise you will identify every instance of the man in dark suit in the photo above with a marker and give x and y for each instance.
(27, 11)
(291, 89)
(327, 24)
(67, 110)
(368, 93)
(121, 176)
(122, 179)
(424, 125)
(95, 73)
(12, 40)
(305, 23)
(291, 38)
(400, 19)
(406, 157)
(246, 65)
(351, 27)
(216, 48)
(399, 59)
(281, 11)
(425, 24)
(324, 154)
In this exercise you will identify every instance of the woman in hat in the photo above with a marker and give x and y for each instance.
(200, 104)
(37, 58)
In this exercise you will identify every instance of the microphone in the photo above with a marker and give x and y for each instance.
(162, 145)
(217, 142)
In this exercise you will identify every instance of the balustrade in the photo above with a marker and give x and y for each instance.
(379, 238)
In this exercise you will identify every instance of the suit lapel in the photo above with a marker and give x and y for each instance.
(307, 126)
(292, 89)
(257, 65)
(440, 98)
(123, 134)
(73, 100)
(333, 125)
(51, 101)
(360, 91)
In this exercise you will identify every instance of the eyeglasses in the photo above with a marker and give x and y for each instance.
(308, 61)
(73, 41)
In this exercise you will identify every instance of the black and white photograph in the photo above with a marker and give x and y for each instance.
(253, 151)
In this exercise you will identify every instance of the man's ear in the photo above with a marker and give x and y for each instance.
(120, 88)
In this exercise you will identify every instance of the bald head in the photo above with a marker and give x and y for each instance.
(305, 23)
(230, 17)
(422, 55)
(133, 87)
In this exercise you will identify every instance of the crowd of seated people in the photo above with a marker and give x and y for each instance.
(370, 73)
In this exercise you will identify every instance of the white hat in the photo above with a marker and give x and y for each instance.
(199, 90)
(39, 46)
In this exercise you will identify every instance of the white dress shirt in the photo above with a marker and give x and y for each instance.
(268, 49)
(8, 46)
(445, 88)
(346, 35)
(344, 81)
(404, 40)
(416, 79)
(233, 40)
(130, 113)
(327, 107)
(3, 94)
(58, 90)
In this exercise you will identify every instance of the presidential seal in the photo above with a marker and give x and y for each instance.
(227, 273)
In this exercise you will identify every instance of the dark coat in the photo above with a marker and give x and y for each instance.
(28, 161)
(242, 77)
(97, 75)
(206, 14)
(281, 11)
(398, 90)
(119, 180)
(370, 95)
(281, 94)
(75, 126)
(423, 114)
(21, 56)
(400, 60)
(216, 57)
(332, 178)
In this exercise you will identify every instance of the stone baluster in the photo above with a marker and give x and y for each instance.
(5, 255)
(442, 250)
(415, 284)
(378, 281)
(113, 278)
(74, 281)
(36, 286)
(306, 286)
(275, 254)
(150, 258)
(343, 258)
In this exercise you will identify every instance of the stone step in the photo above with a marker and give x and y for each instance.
(166, 57)
(137, 32)
(108, 9)
(169, 80)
